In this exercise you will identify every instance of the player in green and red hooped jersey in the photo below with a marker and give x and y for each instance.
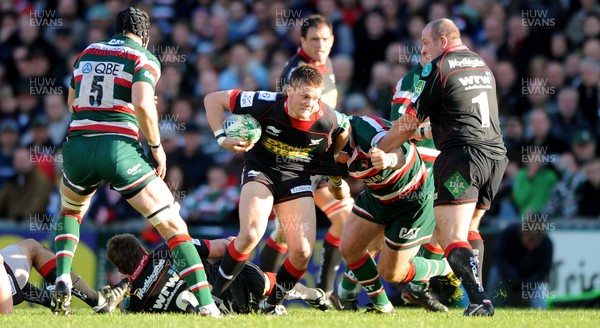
(112, 98)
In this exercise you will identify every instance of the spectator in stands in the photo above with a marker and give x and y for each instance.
(494, 33)
(240, 62)
(510, 90)
(59, 118)
(559, 47)
(571, 65)
(514, 136)
(567, 119)
(577, 21)
(591, 49)
(555, 75)
(344, 41)
(213, 201)
(588, 192)
(9, 140)
(562, 203)
(42, 153)
(190, 157)
(372, 35)
(343, 66)
(27, 192)
(539, 128)
(534, 181)
(523, 257)
(379, 90)
(589, 71)
(584, 146)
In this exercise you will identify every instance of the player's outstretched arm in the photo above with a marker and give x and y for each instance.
(142, 99)
(402, 130)
(6, 305)
(215, 103)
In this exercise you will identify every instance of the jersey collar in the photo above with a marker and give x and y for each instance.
(139, 267)
(455, 48)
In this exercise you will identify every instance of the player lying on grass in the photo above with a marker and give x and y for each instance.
(16, 261)
(155, 285)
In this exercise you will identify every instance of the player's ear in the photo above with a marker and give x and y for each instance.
(444, 41)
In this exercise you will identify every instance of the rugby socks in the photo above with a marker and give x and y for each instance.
(348, 288)
(80, 288)
(190, 267)
(287, 278)
(35, 295)
(365, 271)
(465, 266)
(330, 262)
(423, 269)
(231, 265)
(66, 238)
(271, 255)
(476, 242)
(429, 252)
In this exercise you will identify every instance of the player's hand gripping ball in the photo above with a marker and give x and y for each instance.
(242, 127)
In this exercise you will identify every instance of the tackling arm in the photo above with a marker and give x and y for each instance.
(401, 131)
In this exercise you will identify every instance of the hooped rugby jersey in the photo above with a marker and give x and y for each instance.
(387, 186)
(404, 91)
(103, 76)
(288, 145)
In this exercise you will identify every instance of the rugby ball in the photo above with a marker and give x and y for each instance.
(242, 127)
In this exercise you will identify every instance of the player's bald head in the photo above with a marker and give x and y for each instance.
(443, 27)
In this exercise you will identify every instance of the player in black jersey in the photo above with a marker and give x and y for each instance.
(16, 261)
(155, 286)
(300, 136)
(315, 45)
(458, 93)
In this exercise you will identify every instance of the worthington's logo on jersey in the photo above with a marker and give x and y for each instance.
(466, 62)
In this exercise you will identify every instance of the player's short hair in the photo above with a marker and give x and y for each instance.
(444, 27)
(307, 74)
(314, 21)
(135, 21)
(124, 251)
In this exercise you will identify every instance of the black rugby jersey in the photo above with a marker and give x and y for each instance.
(330, 92)
(289, 146)
(156, 285)
(459, 96)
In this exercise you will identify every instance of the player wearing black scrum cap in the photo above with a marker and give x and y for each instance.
(112, 98)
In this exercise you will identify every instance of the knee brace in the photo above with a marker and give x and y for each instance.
(163, 212)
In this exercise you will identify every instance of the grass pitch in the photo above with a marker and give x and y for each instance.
(308, 318)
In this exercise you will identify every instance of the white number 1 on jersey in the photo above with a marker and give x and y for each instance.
(484, 108)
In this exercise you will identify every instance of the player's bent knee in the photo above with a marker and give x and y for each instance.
(390, 275)
(71, 205)
(300, 255)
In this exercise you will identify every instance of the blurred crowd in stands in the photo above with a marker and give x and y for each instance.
(545, 55)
